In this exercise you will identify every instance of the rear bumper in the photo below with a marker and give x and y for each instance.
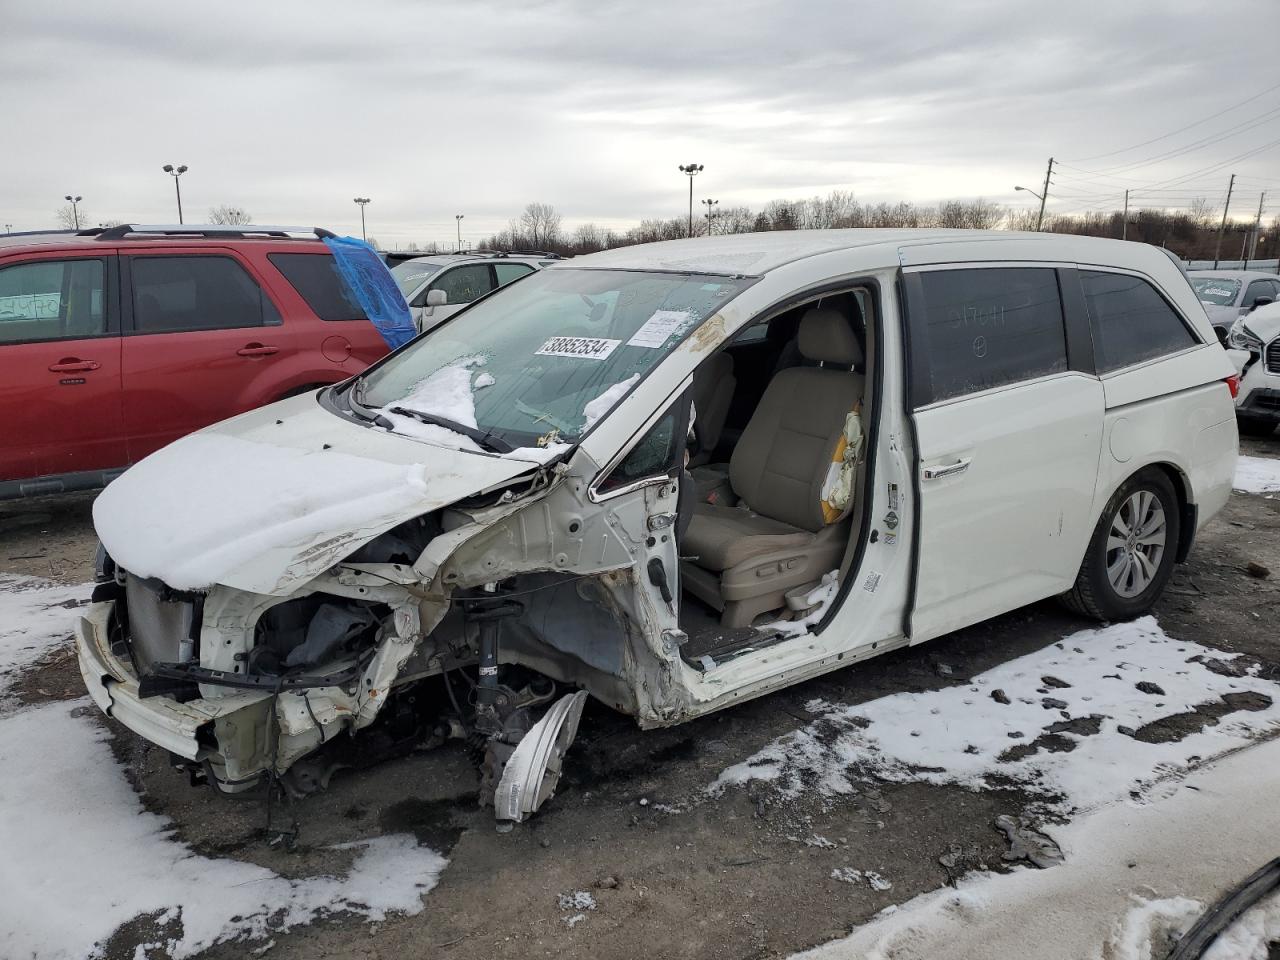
(174, 726)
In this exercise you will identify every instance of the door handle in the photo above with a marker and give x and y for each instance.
(950, 470)
(73, 365)
(257, 350)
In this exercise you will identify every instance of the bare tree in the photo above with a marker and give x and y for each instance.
(228, 215)
(66, 216)
(541, 225)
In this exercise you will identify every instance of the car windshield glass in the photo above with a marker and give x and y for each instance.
(410, 275)
(542, 361)
(1219, 291)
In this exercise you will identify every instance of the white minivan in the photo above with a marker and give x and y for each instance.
(673, 477)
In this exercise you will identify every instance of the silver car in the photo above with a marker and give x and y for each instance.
(440, 285)
(1228, 295)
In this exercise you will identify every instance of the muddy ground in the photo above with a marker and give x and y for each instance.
(674, 872)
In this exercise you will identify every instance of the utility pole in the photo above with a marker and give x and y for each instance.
(1124, 230)
(1043, 194)
(691, 170)
(1253, 237)
(710, 213)
(1217, 248)
(360, 202)
(457, 217)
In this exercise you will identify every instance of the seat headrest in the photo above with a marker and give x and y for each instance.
(825, 335)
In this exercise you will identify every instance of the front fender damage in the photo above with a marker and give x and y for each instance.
(486, 623)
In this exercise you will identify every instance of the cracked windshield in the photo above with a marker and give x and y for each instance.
(540, 365)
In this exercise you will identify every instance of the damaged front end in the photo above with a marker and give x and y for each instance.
(487, 621)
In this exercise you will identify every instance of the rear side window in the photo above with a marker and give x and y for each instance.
(52, 300)
(173, 294)
(315, 276)
(1131, 321)
(989, 327)
(506, 272)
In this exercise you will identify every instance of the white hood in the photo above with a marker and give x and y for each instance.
(1264, 322)
(267, 500)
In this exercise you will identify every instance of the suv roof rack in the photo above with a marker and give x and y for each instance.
(207, 231)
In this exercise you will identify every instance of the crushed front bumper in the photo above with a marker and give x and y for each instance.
(185, 729)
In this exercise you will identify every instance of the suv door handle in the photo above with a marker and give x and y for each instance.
(73, 365)
(950, 470)
(257, 350)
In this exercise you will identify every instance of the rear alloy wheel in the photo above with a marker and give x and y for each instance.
(1131, 553)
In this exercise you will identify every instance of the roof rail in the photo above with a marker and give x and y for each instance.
(206, 231)
(38, 233)
(509, 253)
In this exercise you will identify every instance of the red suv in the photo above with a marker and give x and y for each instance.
(116, 342)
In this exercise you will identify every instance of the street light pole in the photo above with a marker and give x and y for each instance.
(710, 203)
(1253, 236)
(458, 218)
(691, 170)
(75, 210)
(361, 201)
(1124, 230)
(176, 172)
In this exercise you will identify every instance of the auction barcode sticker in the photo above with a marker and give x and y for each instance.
(589, 348)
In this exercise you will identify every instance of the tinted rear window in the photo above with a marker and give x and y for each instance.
(315, 276)
(1131, 321)
(990, 327)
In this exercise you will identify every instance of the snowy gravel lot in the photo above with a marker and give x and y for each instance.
(768, 829)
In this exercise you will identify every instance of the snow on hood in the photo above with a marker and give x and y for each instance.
(268, 500)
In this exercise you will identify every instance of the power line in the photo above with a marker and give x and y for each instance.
(1166, 136)
(1192, 147)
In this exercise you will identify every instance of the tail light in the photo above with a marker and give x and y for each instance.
(1233, 384)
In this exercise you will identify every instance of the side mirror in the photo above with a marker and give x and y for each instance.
(437, 298)
(1262, 302)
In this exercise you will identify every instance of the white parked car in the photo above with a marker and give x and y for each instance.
(438, 286)
(1258, 400)
(673, 477)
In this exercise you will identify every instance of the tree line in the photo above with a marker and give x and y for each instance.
(1191, 234)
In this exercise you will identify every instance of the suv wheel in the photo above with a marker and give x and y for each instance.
(1255, 426)
(1130, 556)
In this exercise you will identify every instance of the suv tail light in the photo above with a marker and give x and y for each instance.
(1233, 384)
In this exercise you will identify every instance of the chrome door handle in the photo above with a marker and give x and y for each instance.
(950, 470)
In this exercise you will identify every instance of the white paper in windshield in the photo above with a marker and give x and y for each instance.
(588, 348)
(659, 328)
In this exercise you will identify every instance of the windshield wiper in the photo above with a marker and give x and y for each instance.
(484, 438)
(355, 400)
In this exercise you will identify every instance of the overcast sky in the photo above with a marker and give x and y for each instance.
(291, 109)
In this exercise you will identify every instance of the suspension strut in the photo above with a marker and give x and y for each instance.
(489, 612)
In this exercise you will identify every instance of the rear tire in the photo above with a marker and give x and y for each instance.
(1130, 556)
(1255, 426)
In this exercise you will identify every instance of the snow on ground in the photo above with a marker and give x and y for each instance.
(1058, 735)
(35, 618)
(82, 856)
(1136, 876)
(1257, 475)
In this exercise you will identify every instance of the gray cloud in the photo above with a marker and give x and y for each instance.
(291, 108)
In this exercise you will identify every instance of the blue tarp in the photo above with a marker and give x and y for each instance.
(374, 288)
